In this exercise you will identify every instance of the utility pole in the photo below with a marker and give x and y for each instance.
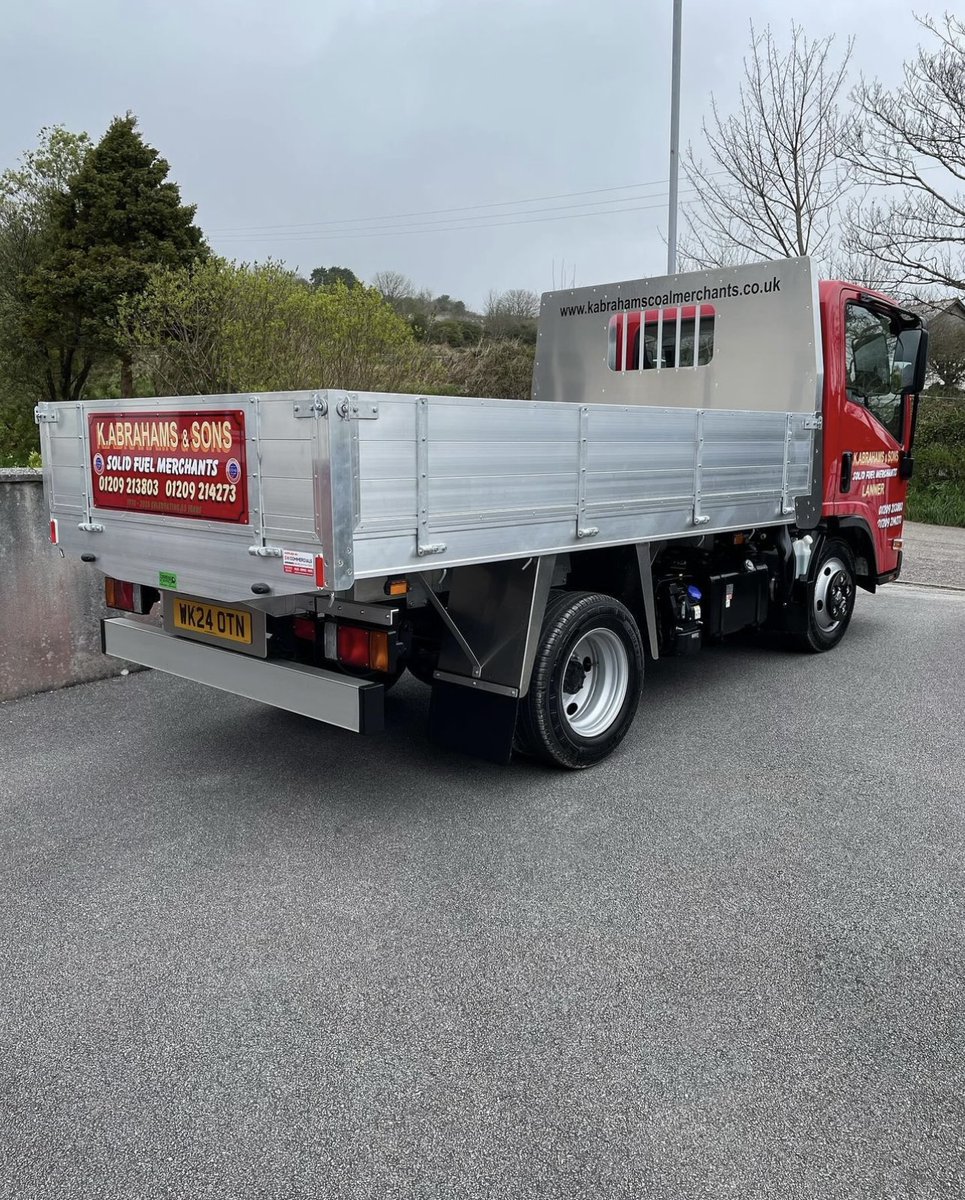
(674, 140)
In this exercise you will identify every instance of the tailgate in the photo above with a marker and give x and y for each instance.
(213, 496)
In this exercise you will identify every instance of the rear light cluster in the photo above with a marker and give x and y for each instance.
(351, 645)
(129, 597)
(365, 648)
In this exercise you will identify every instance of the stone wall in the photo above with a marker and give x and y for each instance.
(50, 606)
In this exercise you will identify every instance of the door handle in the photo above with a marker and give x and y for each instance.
(847, 462)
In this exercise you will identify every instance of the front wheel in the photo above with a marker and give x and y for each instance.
(830, 598)
(586, 681)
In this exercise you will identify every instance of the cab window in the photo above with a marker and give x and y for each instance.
(873, 376)
(661, 347)
(667, 351)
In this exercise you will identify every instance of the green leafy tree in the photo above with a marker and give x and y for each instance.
(446, 307)
(456, 333)
(27, 195)
(323, 277)
(119, 218)
(224, 327)
(937, 491)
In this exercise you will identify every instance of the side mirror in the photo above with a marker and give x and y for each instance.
(912, 353)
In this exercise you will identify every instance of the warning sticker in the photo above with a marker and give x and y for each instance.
(297, 562)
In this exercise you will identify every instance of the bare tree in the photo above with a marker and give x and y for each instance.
(912, 142)
(393, 285)
(520, 303)
(772, 181)
(512, 313)
(865, 269)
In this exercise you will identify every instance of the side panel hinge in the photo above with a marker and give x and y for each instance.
(354, 408)
(312, 406)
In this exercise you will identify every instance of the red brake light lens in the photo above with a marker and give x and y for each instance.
(129, 597)
(353, 646)
(304, 628)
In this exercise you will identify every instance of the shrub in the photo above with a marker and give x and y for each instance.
(937, 491)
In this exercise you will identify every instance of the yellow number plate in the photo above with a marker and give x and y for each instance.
(212, 620)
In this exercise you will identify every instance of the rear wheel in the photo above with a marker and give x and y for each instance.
(586, 681)
(830, 598)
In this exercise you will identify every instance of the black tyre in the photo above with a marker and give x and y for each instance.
(423, 633)
(422, 662)
(830, 598)
(586, 681)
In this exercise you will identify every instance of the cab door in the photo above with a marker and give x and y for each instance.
(871, 431)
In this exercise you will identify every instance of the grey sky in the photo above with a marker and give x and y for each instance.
(277, 115)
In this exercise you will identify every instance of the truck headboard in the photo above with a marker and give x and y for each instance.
(745, 338)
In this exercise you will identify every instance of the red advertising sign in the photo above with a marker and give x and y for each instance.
(173, 464)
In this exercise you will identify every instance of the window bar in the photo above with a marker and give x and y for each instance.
(642, 344)
(623, 368)
(696, 335)
(659, 339)
(680, 317)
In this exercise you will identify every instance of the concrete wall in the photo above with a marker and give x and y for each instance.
(50, 607)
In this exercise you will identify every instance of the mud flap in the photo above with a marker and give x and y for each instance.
(472, 721)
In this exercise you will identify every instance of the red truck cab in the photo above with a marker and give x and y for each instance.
(873, 356)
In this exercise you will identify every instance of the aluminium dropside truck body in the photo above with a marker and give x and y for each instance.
(703, 453)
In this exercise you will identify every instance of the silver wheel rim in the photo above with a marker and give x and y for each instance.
(833, 590)
(595, 683)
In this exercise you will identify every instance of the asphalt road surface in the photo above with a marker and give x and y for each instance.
(934, 555)
(243, 955)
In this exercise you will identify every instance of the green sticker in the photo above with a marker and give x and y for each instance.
(167, 579)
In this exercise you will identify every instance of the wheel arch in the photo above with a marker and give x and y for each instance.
(856, 532)
(623, 572)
